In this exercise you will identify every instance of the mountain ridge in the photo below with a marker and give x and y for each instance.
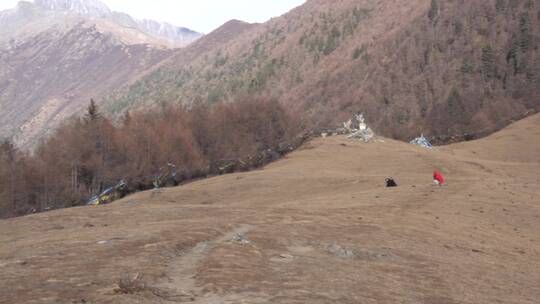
(51, 12)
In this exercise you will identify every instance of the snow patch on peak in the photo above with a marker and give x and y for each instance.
(85, 8)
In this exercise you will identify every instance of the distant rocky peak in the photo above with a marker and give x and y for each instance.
(85, 8)
(166, 30)
(32, 17)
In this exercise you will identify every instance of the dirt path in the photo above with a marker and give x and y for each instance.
(180, 284)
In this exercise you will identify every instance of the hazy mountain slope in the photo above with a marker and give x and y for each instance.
(57, 54)
(52, 76)
(316, 227)
(442, 67)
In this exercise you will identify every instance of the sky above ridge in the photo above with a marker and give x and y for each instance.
(199, 15)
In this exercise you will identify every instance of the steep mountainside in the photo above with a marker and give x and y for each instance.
(57, 54)
(447, 68)
(47, 79)
(167, 82)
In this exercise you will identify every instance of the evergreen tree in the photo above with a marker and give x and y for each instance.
(92, 113)
(488, 62)
(456, 108)
(500, 5)
(524, 27)
(8, 173)
(434, 11)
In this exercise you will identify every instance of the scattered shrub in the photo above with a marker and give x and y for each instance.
(129, 284)
(359, 51)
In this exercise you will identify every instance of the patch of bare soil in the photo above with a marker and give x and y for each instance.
(316, 227)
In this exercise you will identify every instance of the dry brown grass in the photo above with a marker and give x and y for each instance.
(322, 228)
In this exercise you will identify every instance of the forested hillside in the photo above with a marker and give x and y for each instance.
(87, 155)
(444, 68)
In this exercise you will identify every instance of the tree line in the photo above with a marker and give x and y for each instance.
(87, 154)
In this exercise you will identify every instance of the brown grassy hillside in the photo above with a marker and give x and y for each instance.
(315, 227)
(442, 67)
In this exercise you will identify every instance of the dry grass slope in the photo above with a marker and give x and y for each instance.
(315, 227)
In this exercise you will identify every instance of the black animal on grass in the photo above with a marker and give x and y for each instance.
(390, 182)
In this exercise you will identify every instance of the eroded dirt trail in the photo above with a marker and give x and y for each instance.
(180, 284)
